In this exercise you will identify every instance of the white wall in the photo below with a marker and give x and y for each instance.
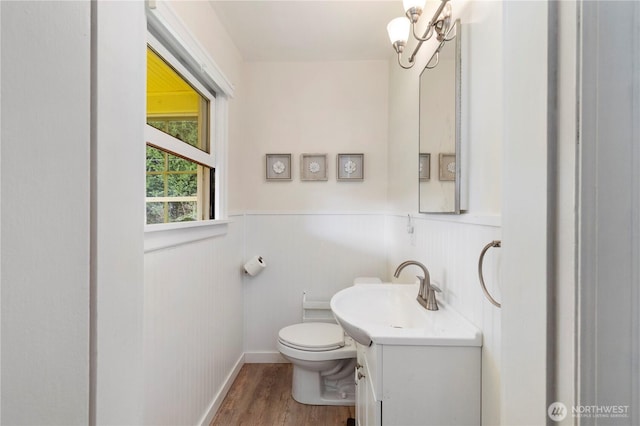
(315, 236)
(0, 214)
(314, 107)
(565, 293)
(483, 106)
(118, 112)
(45, 219)
(526, 218)
(609, 211)
(450, 246)
(204, 24)
(316, 253)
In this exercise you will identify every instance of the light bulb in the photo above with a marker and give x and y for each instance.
(398, 30)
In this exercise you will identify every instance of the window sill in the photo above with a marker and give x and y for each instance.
(157, 237)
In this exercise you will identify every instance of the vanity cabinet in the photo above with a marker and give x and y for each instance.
(418, 385)
(368, 407)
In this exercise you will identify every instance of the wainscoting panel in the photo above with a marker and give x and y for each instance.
(450, 250)
(200, 322)
(193, 322)
(316, 253)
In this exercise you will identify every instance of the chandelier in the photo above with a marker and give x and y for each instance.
(400, 28)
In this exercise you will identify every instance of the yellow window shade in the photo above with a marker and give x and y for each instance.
(168, 94)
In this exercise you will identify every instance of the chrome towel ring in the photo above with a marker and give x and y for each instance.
(495, 243)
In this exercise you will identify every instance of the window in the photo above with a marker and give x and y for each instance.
(180, 165)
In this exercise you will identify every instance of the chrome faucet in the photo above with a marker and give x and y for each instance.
(427, 292)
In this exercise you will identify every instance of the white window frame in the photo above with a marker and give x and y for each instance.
(166, 142)
(175, 40)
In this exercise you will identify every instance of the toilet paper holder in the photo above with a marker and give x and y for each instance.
(254, 266)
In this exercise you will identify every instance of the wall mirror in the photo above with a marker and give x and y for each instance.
(439, 155)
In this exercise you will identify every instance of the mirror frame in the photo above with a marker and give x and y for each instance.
(457, 125)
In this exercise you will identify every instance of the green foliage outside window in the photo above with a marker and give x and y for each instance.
(185, 129)
(171, 176)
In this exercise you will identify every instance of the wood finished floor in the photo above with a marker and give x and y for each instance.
(261, 396)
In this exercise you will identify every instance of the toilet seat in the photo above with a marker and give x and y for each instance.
(312, 336)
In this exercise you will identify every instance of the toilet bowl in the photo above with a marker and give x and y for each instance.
(323, 359)
(323, 356)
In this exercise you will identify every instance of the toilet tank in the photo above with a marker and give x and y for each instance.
(366, 280)
(320, 310)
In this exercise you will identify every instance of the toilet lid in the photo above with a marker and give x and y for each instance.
(313, 336)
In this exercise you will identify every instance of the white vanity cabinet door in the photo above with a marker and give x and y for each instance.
(368, 407)
(418, 385)
(431, 385)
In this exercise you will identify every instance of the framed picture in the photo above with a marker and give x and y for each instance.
(350, 167)
(447, 167)
(278, 167)
(313, 167)
(425, 167)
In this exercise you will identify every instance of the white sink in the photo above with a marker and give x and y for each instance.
(389, 314)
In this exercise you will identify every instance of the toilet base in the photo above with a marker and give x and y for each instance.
(309, 387)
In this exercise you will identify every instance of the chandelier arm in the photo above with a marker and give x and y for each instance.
(438, 12)
(435, 25)
(434, 19)
(432, 23)
(437, 56)
(446, 37)
(427, 34)
(406, 67)
(415, 51)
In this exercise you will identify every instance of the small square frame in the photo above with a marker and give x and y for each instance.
(350, 167)
(278, 167)
(424, 167)
(448, 167)
(313, 167)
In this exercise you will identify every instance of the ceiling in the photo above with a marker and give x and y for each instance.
(309, 30)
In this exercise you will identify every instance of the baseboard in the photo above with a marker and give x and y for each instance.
(217, 400)
(265, 357)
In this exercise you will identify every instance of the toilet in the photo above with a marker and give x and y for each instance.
(323, 361)
(323, 356)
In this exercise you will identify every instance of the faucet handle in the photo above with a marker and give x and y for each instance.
(432, 301)
(422, 289)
